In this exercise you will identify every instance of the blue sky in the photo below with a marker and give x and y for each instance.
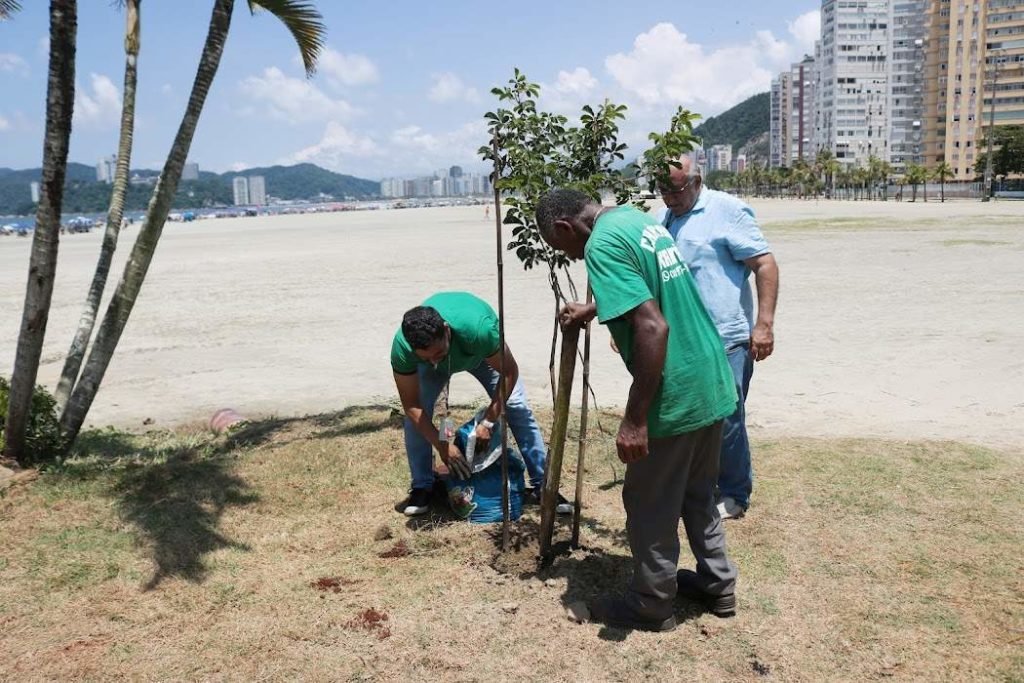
(402, 86)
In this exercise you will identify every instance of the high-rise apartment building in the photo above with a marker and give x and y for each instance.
(106, 168)
(720, 158)
(240, 185)
(959, 66)
(853, 114)
(1003, 101)
(190, 171)
(257, 190)
(908, 32)
(779, 121)
(802, 83)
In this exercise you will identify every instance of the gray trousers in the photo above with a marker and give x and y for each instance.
(676, 479)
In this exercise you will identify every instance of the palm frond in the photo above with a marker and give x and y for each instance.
(303, 21)
(8, 7)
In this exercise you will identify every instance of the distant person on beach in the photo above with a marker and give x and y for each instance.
(487, 211)
(458, 332)
(722, 244)
(682, 388)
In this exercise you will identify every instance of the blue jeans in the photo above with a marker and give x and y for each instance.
(735, 472)
(520, 420)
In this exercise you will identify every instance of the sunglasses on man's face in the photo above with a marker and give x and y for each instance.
(677, 190)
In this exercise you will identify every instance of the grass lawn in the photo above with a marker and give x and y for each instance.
(177, 555)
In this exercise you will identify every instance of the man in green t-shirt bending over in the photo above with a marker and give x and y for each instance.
(682, 388)
(457, 332)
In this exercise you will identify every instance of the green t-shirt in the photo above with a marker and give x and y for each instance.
(631, 259)
(474, 326)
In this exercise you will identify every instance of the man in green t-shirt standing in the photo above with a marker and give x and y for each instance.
(682, 388)
(457, 332)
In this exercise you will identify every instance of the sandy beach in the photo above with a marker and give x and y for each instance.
(895, 320)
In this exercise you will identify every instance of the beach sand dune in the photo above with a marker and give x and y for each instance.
(896, 320)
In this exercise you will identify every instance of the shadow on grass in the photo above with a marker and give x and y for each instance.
(177, 505)
(174, 494)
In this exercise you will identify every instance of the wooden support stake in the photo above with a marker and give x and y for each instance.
(549, 499)
(581, 457)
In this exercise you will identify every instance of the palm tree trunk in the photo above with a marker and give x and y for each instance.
(73, 362)
(60, 102)
(128, 288)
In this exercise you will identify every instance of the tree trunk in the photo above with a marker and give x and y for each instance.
(942, 189)
(128, 288)
(73, 363)
(60, 102)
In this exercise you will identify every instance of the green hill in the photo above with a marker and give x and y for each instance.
(85, 195)
(743, 124)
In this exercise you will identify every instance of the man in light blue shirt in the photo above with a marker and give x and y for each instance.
(722, 244)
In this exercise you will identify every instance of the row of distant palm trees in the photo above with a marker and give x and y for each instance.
(829, 178)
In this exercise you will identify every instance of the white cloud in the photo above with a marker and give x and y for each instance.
(5, 125)
(336, 147)
(806, 29)
(422, 151)
(448, 87)
(239, 166)
(12, 63)
(294, 100)
(579, 81)
(352, 69)
(166, 89)
(666, 69)
(102, 107)
(570, 91)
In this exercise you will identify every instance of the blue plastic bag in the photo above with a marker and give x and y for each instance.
(478, 498)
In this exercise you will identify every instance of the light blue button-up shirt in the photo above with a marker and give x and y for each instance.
(715, 238)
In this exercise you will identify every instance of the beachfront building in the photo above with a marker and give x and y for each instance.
(801, 114)
(720, 158)
(955, 76)
(34, 190)
(240, 186)
(257, 190)
(852, 120)
(908, 31)
(778, 121)
(1003, 85)
(105, 169)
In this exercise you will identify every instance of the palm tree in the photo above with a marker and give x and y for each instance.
(60, 100)
(915, 174)
(305, 24)
(941, 172)
(73, 362)
(8, 7)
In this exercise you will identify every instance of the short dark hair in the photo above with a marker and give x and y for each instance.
(422, 326)
(560, 204)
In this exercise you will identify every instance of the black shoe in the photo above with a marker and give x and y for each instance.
(418, 502)
(532, 497)
(616, 612)
(692, 588)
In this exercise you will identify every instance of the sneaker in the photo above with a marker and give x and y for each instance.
(692, 588)
(418, 502)
(728, 508)
(617, 613)
(532, 497)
